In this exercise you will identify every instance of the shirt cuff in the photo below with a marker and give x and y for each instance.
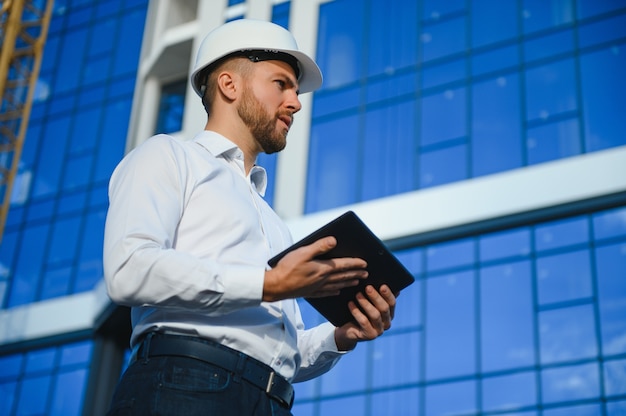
(243, 285)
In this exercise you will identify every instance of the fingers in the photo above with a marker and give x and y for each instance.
(375, 310)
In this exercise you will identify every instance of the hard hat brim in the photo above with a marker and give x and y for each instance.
(310, 78)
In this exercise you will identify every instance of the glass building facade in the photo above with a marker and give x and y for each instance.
(519, 312)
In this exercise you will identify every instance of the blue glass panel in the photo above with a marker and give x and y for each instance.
(93, 95)
(325, 103)
(549, 45)
(111, 147)
(609, 224)
(7, 392)
(392, 39)
(450, 322)
(542, 14)
(582, 410)
(61, 104)
(509, 392)
(435, 9)
(390, 86)
(570, 383)
(443, 117)
(493, 21)
(505, 244)
(496, 126)
(506, 316)
(64, 239)
(303, 409)
(68, 394)
(550, 90)
(411, 258)
(567, 334)
(51, 49)
(122, 87)
(31, 144)
(331, 173)
(343, 406)
(449, 255)
(495, 59)
(11, 366)
(70, 62)
(611, 269)
(29, 262)
(90, 257)
(615, 377)
(404, 402)
(33, 394)
(78, 17)
(349, 375)
(171, 106)
(55, 282)
(71, 202)
(564, 277)
(128, 42)
(98, 196)
(443, 166)
(553, 141)
(77, 171)
(451, 398)
(617, 408)
(606, 30)
(106, 8)
(409, 308)
(443, 73)
(389, 151)
(587, 8)
(7, 257)
(561, 233)
(96, 70)
(84, 135)
(305, 390)
(339, 47)
(396, 360)
(51, 155)
(602, 74)
(40, 360)
(101, 33)
(40, 210)
(443, 39)
(280, 14)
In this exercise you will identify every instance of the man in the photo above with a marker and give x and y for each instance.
(188, 236)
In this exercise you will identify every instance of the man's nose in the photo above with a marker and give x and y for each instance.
(293, 101)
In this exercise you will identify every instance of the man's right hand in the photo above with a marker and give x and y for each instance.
(300, 274)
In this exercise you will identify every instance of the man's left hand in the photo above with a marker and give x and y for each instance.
(372, 317)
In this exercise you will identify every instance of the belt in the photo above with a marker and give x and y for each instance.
(238, 363)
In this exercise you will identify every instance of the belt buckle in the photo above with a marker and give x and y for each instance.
(270, 381)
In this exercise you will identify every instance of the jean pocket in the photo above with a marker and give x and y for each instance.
(205, 378)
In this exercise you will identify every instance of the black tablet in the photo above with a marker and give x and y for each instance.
(354, 239)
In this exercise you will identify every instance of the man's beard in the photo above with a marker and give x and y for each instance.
(262, 125)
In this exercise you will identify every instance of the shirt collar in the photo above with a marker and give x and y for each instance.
(220, 146)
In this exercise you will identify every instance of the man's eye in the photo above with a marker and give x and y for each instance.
(281, 83)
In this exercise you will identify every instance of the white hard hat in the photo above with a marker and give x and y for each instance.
(258, 40)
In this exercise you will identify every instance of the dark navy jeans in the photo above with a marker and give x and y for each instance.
(187, 387)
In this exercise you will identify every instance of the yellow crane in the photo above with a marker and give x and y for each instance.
(23, 30)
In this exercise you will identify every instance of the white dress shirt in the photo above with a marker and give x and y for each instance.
(186, 245)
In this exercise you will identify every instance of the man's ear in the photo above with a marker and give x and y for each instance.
(228, 85)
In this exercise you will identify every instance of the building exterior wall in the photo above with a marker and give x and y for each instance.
(483, 140)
